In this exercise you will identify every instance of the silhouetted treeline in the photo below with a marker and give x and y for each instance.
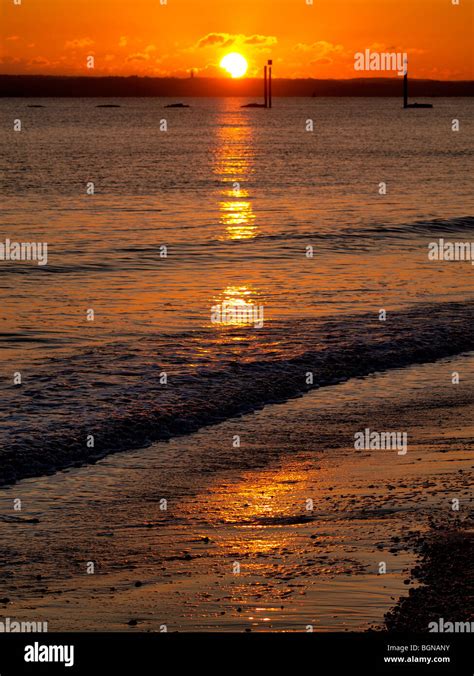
(39, 85)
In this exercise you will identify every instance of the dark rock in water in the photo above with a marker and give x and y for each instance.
(253, 105)
(108, 105)
(419, 105)
(35, 105)
(177, 105)
(133, 623)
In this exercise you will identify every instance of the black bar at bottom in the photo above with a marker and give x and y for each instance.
(322, 653)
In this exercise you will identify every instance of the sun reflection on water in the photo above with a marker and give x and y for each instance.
(237, 306)
(239, 219)
(234, 165)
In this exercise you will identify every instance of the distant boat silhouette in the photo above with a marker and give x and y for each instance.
(405, 96)
(177, 105)
(254, 105)
(108, 105)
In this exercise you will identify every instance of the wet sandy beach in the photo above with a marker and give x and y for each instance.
(240, 546)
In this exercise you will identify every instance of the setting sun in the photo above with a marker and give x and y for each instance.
(235, 64)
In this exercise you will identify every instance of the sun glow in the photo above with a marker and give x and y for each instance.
(235, 64)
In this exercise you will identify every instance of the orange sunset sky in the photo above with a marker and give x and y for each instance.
(143, 37)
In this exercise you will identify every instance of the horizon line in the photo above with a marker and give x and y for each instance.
(187, 78)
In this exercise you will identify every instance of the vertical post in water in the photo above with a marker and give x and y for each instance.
(270, 63)
(405, 85)
(265, 90)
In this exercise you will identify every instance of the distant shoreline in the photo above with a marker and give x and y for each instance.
(133, 86)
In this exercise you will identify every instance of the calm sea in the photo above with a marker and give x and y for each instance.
(319, 230)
